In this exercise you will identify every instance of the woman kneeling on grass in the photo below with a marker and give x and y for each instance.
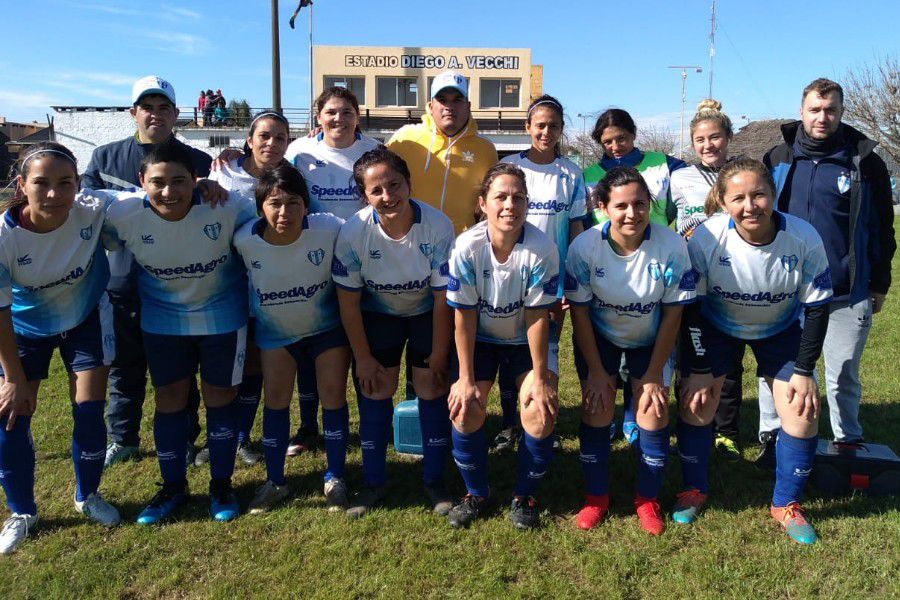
(288, 256)
(757, 271)
(504, 277)
(626, 281)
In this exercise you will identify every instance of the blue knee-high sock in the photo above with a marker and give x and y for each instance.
(630, 411)
(221, 439)
(794, 461)
(17, 465)
(308, 396)
(470, 453)
(434, 420)
(654, 447)
(374, 431)
(535, 456)
(247, 403)
(170, 434)
(694, 447)
(88, 446)
(276, 435)
(595, 458)
(509, 402)
(336, 430)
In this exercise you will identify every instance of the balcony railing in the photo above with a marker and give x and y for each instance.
(192, 118)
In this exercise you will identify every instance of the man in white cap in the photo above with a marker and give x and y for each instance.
(115, 166)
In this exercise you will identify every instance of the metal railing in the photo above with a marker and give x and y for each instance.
(193, 118)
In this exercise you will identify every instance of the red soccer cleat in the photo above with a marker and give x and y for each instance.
(650, 514)
(594, 511)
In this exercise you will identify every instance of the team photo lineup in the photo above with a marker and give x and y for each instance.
(332, 264)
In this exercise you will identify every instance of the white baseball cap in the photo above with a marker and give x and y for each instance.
(152, 84)
(450, 79)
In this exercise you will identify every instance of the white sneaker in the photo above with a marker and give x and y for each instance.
(14, 531)
(336, 495)
(266, 497)
(98, 510)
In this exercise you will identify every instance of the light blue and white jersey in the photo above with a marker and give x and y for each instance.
(191, 282)
(556, 196)
(291, 290)
(625, 293)
(397, 277)
(234, 178)
(329, 172)
(753, 292)
(54, 280)
(501, 292)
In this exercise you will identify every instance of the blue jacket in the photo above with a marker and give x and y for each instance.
(846, 196)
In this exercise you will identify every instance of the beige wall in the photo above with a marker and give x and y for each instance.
(477, 64)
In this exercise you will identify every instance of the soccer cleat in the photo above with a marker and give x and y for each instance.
(15, 530)
(765, 460)
(630, 432)
(688, 505)
(267, 496)
(507, 438)
(793, 519)
(441, 502)
(116, 453)
(98, 510)
(366, 499)
(167, 500)
(557, 442)
(466, 510)
(223, 504)
(728, 448)
(650, 515)
(593, 511)
(248, 455)
(336, 495)
(524, 512)
(201, 457)
(305, 440)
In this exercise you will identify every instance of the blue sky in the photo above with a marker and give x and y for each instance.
(595, 53)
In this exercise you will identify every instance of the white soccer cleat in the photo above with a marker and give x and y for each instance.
(14, 531)
(267, 497)
(98, 510)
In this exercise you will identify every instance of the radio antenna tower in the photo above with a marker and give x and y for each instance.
(712, 46)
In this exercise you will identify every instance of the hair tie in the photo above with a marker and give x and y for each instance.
(551, 102)
(269, 113)
(49, 151)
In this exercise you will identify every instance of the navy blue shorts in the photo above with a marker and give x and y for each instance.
(306, 350)
(88, 345)
(171, 358)
(389, 335)
(510, 360)
(637, 360)
(775, 355)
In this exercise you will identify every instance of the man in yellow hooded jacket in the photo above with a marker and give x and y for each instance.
(446, 157)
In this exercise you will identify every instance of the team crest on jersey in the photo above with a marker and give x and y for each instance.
(468, 157)
(212, 230)
(87, 232)
(316, 256)
(655, 270)
(425, 248)
(789, 262)
(843, 183)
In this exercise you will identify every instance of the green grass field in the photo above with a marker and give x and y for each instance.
(403, 550)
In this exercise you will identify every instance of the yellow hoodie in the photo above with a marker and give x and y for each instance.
(446, 172)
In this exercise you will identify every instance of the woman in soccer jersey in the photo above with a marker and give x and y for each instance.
(556, 206)
(504, 277)
(53, 275)
(626, 281)
(390, 267)
(757, 271)
(288, 255)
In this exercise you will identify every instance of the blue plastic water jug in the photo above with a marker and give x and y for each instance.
(407, 433)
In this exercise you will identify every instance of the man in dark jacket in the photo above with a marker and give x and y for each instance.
(115, 166)
(827, 173)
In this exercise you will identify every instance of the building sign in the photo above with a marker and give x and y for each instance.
(432, 61)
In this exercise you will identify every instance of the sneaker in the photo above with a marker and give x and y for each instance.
(98, 510)
(116, 453)
(688, 505)
(765, 460)
(336, 495)
(793, 519)
(15, 530)
(506, 438)
(524, 512)
(223, 504)
(441, 502)
(630, 432)
(305, 441)
(366, 499)
(248, 455)
(728, 448)
(466, 510)
(650, 514)
(593, 511)
(201, 457)
(267, 496)
(166, 501)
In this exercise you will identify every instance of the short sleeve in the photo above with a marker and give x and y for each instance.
(579, 199)
(5, 287)
(346, 268)
(246, 210)
(440, 257)
(679, 277)
(816, 285)
(461, 285)
(109, 237)
(577, 278)
(698, 261)
(543, 282)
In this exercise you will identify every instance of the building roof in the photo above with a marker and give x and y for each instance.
(757, 137)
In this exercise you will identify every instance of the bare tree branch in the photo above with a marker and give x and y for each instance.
(653, 138)
(872, 101)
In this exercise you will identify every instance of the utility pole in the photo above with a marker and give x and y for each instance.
(276, 60)
(312, 118)
(583, 141)
(712, 46)
(684, 69)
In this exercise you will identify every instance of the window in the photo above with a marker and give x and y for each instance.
(431, 81)
(357, 85)
(397, 91)
(500, 93)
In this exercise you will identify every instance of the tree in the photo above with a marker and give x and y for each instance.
(239, 111)
(654, 138)
(872, 103)
(582, 145)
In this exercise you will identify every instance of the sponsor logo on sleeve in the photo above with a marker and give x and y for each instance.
(688, 281)
(570, 284)
(552, 285)
(452, 283)
(338, 269)
(444, 269)
(823, 280)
